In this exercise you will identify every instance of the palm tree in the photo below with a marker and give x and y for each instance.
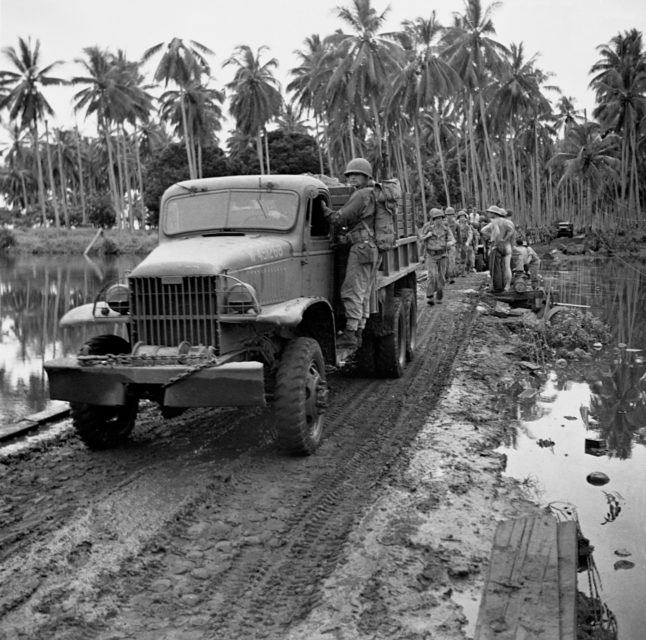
(620, 86)
(566, 114)
(588, 159)
(255, 98)
(476, 56)
(367, 58)
(203, 115)
(424, 81)
(183, 64)
(25, 100)
(106, 96)
(308, 85)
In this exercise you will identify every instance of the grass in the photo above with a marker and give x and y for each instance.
(75, 241)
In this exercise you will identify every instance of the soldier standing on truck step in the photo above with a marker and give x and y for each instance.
(437, 239)
(358, 214)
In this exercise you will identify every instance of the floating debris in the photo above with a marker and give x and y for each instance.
(623, 564)
(623, 553)
(545, 442)
(598, 478)
(614, 507)
(570, 417)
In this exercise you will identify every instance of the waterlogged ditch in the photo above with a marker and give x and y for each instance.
(579, 442)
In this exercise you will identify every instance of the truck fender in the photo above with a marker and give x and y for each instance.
(312, 317)
(91, 313)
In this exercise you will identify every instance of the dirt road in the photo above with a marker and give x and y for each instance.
(201, 529)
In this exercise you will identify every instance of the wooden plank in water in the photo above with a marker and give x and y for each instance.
(530, 591)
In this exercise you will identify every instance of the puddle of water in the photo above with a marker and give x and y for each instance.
(612, 516)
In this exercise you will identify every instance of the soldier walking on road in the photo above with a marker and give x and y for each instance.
(358, 214)
(437, 240)
(465, 244)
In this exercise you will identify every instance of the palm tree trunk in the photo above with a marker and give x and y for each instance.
(63, 183)
(318, 144)
(112, 178)
(189, 156)
(420, 170)
(50, 173)
(259, 150)
(267, 151)
(81, 181)
(438, 145)
(140, 180)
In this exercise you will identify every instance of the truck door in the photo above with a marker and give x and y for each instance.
(318, 256)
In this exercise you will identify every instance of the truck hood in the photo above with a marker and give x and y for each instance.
(212, 255)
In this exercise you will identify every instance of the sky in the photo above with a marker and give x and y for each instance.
(564, 34)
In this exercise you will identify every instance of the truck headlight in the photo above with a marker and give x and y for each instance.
(117, 297)
(241, 298)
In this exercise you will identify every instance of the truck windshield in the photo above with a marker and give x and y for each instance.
(210, 211)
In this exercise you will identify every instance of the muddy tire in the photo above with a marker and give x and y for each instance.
(410, 308)
(101, 427)
(390, 351)
(300, 397)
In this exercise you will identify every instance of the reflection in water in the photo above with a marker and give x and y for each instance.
(618, 404)
(35, 291)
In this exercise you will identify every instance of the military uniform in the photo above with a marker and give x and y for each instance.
(465, 244)
(358, 215)
(438, 240)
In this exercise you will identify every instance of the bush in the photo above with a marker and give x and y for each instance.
(7, 239)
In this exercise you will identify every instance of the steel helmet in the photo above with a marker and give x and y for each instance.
(359, 165)
(436, 213)
(462, 213)
(450, 211)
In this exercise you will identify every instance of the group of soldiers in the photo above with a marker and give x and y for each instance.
(450, 241)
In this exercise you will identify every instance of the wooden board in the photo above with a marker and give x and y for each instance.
(530, 591)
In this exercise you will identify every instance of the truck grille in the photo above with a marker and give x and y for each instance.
(169, 310)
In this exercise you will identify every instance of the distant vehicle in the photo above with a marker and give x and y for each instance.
(565, 230)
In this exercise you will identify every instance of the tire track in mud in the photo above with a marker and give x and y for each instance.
(263, 588)
(283, 587)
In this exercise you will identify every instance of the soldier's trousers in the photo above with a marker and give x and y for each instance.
(436, 267)
(467, 257)
(357, 286)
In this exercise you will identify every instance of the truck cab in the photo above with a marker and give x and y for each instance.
(237, 305)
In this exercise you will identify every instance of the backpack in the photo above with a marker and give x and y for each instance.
(388, 195)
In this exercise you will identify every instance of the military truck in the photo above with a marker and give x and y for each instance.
(238, 305)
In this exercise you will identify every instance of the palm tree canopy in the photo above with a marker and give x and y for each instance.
(23, 97)
(255, 92)
(181, 62)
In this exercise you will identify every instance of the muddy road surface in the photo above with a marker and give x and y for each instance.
(201, 529)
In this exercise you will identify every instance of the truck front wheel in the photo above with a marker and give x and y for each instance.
(102, 427)
(300, 397)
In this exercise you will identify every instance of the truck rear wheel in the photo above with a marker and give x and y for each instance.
(300, 397)
(410, 307)
(390, 351)
(101, 427)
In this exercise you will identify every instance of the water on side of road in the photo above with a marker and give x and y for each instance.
(35, 292)
(590, 418)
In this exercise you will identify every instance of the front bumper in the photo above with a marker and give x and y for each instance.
(231, 384)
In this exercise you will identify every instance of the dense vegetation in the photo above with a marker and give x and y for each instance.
(461, 117)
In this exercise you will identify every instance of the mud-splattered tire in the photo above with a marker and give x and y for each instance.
(390, 352)
(300, 397)
(410, 307)
(101, 427)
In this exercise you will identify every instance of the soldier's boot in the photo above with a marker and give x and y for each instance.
(347, 340)
(440, 295)
(430, 300)
(359, 334)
